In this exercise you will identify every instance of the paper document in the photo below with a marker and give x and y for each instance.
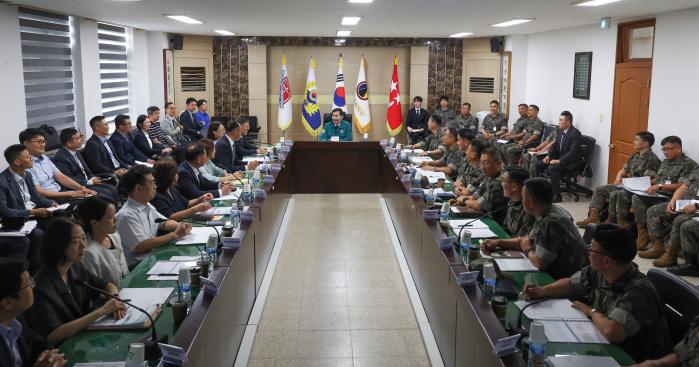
(253, 158)
(185, 258)
(59, 208)
(680, 204)
(636, 183)
(219, 210)
(456, 224)
(432, 176)
(417, 160)
(553, 309)
(148, 299)
(150, 165)
(25, 230)
(581, 360)
(232, 196)
(409, 151)
(482, 233)
(572, 331)
(503, 141)
(515, 265)
(199, 235)
(168, 270)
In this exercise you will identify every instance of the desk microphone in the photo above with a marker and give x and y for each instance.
(488, 214)
(152, 351)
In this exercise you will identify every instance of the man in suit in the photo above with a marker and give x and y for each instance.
(171, 127)
(225, 150)
(563, 154)
(100, 153)
(123, 143)
(21, 346)
(69, 160)
(188, 119)
(416, 122)
(246, 145)
(190, 181)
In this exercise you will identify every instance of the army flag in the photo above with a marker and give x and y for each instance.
(284, 112)
(310, 112)
(362, 115)
(394, 116)
(339, 94)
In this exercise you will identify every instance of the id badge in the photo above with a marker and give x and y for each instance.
(668, 182)
(495, 128)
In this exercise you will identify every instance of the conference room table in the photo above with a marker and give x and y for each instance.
(462, 320)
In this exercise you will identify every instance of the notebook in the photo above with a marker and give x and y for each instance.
(563, 323)
(581, 360)
(149, 299)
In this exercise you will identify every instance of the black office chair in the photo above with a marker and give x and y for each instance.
(680, 301)
(580, 169)
(221, 119)
(254, 133)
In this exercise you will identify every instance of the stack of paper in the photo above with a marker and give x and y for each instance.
(218, 210)
(637, 185)
(417, 160)
(149, 299)
(25, 230)
(680, 204)
(477, 227)
(563, 323)
(259, 158)
(232, 196)
(199, 235)
(431, 175)
(509, 264)
(582, 360)
(411, 151)
(169, 269)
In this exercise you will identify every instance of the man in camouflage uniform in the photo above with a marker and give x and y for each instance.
(673, 172)
(533, 128)
(465, 120)
(432, 146)
(643, 162)
(495, 124)
(489, 196)
(685, 353)
(554, 245)
(530, 158)
(451, 160)
(469, 174)
(688, 238)
(514, 135)
(443, 111)
(619, 300)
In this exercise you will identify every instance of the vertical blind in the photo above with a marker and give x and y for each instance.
(114, 81)
(48, 68)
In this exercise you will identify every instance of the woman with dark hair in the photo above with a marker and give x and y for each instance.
(216, 130)
(104, 255)
(61, 307)
(168, 199)
(210, 170)
(142, 140)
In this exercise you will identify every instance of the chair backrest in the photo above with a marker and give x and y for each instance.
(481, 115)
(327, 117)
(680, 301)
(587, 148)
(253, 123)
(221, 119)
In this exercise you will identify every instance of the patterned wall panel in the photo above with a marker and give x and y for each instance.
(230, 76)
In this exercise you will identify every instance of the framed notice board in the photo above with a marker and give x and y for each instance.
(582, 75)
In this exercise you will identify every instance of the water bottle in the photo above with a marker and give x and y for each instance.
(246, 195)
(537, 345)
(444, 212)
(270, 154)
(185, 285)
(429, 197)
(392, 141)
(489, 280)
(211, 245)
(366, 137)
(417, 178)
(235, 218)
(464, 245)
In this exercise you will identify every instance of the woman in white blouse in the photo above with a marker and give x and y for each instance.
(104, 255)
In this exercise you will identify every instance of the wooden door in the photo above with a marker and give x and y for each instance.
(632, 83)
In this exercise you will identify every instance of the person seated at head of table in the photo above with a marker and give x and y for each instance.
(210, 170)
(168, 200)
(554, 244)
(337, 128)
(63, 308)
(432, 145)
(620, 300)
(489, 196)
(104, 255)
(469, 175)
(685, 353)
(451, 160)
(21, 346)
(136, 221)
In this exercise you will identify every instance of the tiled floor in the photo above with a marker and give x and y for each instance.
(337, 297)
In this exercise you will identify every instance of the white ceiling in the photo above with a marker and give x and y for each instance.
(383, 18)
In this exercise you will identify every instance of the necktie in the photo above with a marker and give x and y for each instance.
(418, 112)
(82, 169)
(115, 162)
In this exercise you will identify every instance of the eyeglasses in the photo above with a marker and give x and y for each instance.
(31, 284)
(588, 248)
(39, 141)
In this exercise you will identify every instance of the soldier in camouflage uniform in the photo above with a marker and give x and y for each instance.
(494, 125)
(468, 174)
(688, 240)
(642, 163)
(432, 146)
(489, 195)
(685, 353)
(443, 111)
(554, 244)
(514, 135)
(465, 120)
(451, 160)
(530, 158)
(533, 129)
(673, 172)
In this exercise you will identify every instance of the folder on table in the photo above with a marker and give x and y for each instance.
(149, 299)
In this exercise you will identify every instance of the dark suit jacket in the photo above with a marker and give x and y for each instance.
(226, 157)
(140, 140)
(415, 122)
(170, 203)
(244, 147)
(191, 127)
(67, 164)
(11, 203)
(29, 346)
(567, 150)
(97, 156)
(192, 188)
(125, 149)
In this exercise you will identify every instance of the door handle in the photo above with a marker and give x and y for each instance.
(612, 146)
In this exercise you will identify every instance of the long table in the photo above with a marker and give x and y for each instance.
(462, 321)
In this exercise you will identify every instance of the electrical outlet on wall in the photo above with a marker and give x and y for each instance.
(601, 117)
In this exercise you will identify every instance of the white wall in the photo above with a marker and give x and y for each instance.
(12, 91)
(146, 71)
(157, 41)
(518, 45)
(86, 63)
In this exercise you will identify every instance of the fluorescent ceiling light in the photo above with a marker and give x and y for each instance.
(350, 20)
(361, 1)
(343, 33)
(184, 19)
(594, 2)
(512, 22)
(224, 32)
(461, 34)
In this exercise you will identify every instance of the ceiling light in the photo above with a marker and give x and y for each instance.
(224, 32)
(360, 1)
(461, 34)
(350, 20)
(512, 22)
(184, 19)
(593, 2)
(343, 33)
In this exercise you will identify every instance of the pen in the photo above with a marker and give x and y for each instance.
(166, 274)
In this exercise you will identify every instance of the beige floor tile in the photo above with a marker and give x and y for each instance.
(321, 362)
(275, 344)
(382, 317)
(378, 343)
(391, 362)
(261, 362)
(324, 344)
(281, 317)
(325, 318)
(389, 297)
(369, 279)
(324, 297)
(328, 279)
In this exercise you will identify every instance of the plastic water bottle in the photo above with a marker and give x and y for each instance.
(464, 244)
(444, 212)
(429, 197)
(417, 178)
(489, 280)
(211, 245)
(537, 345)
(270, 154)
(392, 141)
(235, 218)
(246, 195)
(185, 285)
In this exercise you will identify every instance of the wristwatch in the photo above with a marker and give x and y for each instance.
(592, 311)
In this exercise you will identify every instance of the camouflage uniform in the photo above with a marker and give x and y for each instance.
(689, 236)
(517, 222)
(557, 242)
(447, 115)
(529, 161)
(660, 221)
(633, 302)
(517, 128)
(467, 122)
(493, 124)
(452, 158)
(471, 175)
(434, 141)
(673, 171)
(687, 349)
(490, 196)
(532, 128)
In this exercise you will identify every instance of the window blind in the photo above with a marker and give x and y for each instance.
(114, 81)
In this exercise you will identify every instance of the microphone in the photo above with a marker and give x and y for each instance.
(152, 351)
(488, 214)
(519, 329)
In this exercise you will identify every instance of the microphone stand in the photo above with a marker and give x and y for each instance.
(152, 351)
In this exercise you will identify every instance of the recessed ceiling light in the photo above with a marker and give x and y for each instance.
(461, 34)
(224, 32)
(343, 33)
(184, 19)
(594, 2)
(360, 1)
(350, 20)
(512, 22)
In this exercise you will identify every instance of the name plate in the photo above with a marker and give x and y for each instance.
(276, 167)
(247, 216)
(447, 243)
(506, 346)
(285, 149)
(173, 355)
(393, 158)
(415, 192)
(334, 138)
(282, 156)
(210, 287)
(383, 142)
(268, 179)
(430, 214)
(230, 243)
(467, 278)
(288, 142)
(260, 193)
(405, 178)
